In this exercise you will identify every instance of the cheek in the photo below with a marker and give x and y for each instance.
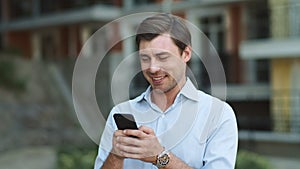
(175, 65)
(145, 74)
(176, 69)
(144, 66)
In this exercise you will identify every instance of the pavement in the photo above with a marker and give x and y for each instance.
(29, 158)
(284, 163)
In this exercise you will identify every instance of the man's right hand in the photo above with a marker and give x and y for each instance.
(115, 159)
(115, 148)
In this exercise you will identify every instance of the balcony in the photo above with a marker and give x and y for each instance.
(270, 48)
(87, 14)
(279, 30)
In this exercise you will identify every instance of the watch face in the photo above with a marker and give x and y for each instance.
(163, 160)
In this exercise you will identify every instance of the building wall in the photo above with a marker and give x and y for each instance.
(284, 110)
(20, 41)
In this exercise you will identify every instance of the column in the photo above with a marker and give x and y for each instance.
(36, 46)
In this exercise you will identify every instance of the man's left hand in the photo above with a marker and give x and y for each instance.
(143, 146)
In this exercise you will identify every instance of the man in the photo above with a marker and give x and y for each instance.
(180, 126)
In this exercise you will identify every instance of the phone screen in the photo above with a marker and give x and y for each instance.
(125, 121)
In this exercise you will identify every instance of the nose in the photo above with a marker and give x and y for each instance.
(154, 67)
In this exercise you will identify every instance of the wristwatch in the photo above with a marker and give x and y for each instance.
(162, 159)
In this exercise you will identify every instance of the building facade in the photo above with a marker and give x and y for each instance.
(281, 49)
(257, 42)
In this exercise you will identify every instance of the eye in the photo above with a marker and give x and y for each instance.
(163, 57)
(144, 58)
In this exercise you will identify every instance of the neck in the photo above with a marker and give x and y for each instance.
(165, 99)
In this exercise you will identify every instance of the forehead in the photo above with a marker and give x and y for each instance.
(160, 43)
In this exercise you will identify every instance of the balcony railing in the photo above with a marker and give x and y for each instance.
(286, 111)
(276, 21)
(285, 20)
(278, 111)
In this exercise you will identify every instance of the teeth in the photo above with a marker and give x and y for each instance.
(157, 78)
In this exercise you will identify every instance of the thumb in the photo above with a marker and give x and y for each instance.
(146, 130)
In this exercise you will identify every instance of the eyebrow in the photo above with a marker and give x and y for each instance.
(162, 53)
(143, 55)
(156, 55)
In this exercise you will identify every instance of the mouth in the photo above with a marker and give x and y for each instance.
(157, 79)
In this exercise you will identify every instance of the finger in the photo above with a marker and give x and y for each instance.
(118, 133)
(132, 152)
(116, 142)
(128, 141)
(135, 133)
(129, 149)
(147, 130)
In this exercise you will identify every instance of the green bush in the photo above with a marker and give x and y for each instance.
(250, 160)
(76, 158)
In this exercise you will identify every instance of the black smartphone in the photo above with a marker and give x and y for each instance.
(125, 121)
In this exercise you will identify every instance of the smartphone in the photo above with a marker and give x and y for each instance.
(125, 121)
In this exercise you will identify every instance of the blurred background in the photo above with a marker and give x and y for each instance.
(258, 42)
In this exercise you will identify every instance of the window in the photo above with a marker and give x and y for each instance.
(262, 71)
(20, 8)
(142, 2)
(258, 20)
(213, 27)
(294, 18)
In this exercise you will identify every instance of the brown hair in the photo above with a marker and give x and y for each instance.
(164, 23)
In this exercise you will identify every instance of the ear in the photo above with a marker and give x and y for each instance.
(187, 53)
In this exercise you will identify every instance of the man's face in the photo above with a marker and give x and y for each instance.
(162, 63)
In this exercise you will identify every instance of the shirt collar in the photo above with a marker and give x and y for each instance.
(188, 90)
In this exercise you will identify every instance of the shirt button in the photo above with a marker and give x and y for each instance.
(162, 116)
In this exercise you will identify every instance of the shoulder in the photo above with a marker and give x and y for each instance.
(214, 101)
(218, 108)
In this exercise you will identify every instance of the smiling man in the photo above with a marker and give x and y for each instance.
(180, 126)
(163, 65)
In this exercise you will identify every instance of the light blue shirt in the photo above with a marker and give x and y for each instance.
(197, 128)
